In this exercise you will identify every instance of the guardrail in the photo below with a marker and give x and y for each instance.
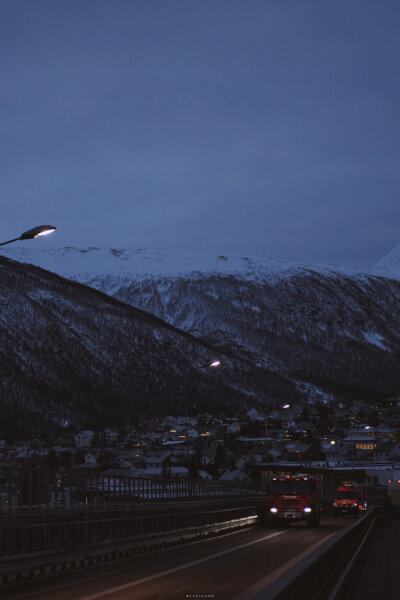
(58, 546)
(39, 486)
(38, 532)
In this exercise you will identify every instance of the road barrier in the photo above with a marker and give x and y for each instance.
(87, 538)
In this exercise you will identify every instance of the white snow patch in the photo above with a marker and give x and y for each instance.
(41, 295)
(213, 295)
(84, 264)
(376, 339)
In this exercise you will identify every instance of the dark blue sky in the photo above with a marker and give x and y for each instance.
(251, 127)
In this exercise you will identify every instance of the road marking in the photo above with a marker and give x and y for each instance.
(262, 584)
(125, 586)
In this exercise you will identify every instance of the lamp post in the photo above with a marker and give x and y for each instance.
(285, 407)
(32, 234)
(213, 365)
(27, 235)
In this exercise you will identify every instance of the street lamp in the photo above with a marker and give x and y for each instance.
(212, 365)
(32, 233)
(285, 407)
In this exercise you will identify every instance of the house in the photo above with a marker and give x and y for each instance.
(84, 439)
(274, 454)
(157, 472)
(208, 456)
(155, 461)
(360, 439)
(383, 451)
(389, 433)
(204, 475)
(234, 476)
(301, 452)
(334, 455)
(111, 435)
(90, 458)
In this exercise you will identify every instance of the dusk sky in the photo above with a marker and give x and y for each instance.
(246, 127)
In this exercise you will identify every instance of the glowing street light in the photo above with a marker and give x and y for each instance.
(212, 365)
(32, 234)
(285, 406)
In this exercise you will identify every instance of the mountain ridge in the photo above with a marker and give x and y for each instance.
(71, 354)
(337, 327)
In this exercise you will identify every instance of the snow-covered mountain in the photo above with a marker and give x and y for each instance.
(332, 332)
(389, 265)
(72, 356)
(83, 264)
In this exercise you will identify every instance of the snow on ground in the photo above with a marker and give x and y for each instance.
(81, 263)
(389, 265)
(376, 339)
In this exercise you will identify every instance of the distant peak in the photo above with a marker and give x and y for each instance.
(390, 263)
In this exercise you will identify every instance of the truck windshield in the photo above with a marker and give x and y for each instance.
(347, 495)
(290, 487)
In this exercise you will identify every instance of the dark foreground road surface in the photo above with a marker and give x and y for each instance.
(233, 567)
(381, 576)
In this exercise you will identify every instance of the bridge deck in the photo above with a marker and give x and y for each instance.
(381, 577)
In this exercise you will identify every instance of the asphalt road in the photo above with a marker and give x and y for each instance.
(233, 567)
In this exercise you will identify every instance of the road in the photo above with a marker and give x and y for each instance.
(232, 567)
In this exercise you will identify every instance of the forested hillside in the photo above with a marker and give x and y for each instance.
(71, 356)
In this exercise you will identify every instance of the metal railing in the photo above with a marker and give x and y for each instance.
(51, 489)
(49, 531)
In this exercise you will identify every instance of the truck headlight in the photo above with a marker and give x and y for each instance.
(307, 509)
(354, 505)
(274, 509)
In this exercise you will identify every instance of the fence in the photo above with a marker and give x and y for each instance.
(36, 486)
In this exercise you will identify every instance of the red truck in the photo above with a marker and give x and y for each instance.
(295, 498)
(350, 499)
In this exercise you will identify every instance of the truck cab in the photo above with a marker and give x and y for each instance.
(295, 498)
(350, 500)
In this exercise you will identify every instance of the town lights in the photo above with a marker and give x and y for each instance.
(32, 234)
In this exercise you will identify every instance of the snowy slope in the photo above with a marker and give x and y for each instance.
(69, 354)
(336, 326)
(389, 265)
(85, 263)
